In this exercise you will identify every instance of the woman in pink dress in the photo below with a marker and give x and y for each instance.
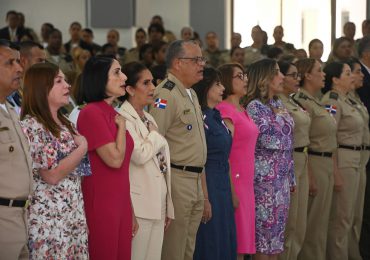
(106, 192)
(244, 133)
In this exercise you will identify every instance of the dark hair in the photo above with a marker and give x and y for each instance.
(352, 61)
(210, 76)
(364, 45)
(233, 50)
(157, 47)
(143, 49)
(132, 70)
(11, 12)
(106, 46)
(312, 42)
(274, 52)
(39, 79)
(226, 77)
(157, 27)
(88, 30)
(75, 23)
(94, 80)
(332, 70)
(305, 66)
(4, 43)
(284, 66)
(48, 25)
(159, 72)
(26, 46)
(14, 46)
(140, 30)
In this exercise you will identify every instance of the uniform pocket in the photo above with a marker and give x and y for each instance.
(6, 136)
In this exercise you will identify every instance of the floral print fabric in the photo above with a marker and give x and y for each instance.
(273, 173)
(56, 218)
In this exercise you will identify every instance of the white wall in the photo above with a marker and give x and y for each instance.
(175, 13)
(37, 12)
(62, 12)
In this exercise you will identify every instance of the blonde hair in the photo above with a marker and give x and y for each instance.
(260, 75)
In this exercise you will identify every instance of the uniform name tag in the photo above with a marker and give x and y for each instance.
(5, 128)
(186, 111)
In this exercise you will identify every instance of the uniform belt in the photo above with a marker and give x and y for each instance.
(13, 203)
(187, 168)
(322, 154)
(366, 147)
(350, 147)
(303, 149)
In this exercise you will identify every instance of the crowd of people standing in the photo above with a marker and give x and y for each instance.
(174, 151)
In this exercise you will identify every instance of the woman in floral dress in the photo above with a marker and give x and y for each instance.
(57, 223)
(274, 176)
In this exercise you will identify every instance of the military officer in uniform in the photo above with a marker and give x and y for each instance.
(297, 220)
(354, 238)
(15, 163)
(179, 118)
(323, 144)
(350, 127)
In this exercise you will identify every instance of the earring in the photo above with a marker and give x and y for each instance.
(133, 94)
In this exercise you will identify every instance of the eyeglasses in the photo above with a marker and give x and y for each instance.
(294, 75)
(241, 76)
(198, 60)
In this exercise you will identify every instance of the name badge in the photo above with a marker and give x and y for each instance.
(5, 128)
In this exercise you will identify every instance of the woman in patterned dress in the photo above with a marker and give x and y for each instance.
(274, 176)
(57, 224)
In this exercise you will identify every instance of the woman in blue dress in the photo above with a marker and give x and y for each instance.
(216, 238)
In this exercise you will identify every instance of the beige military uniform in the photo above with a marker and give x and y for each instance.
(15, 184)
(216, 58)
(63, 64)
(323, 144)
(354, 238)
(349, 135)
(132, 55)
(180, 121)
(296, 226)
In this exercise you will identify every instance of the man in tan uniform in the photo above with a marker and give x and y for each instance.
(15, 163)
(179, 118)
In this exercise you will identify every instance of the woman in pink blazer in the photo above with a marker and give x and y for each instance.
(150, 176)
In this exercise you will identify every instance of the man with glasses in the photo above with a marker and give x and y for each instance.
(15, 163)
(179, 118)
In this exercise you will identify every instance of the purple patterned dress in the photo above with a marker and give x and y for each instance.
(273, 173)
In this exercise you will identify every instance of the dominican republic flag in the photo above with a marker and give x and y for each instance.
(160, 103)
(331, 109)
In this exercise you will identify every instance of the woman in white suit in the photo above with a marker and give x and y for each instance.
(150, 174)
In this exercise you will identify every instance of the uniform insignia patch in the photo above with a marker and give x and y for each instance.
(169, 85)
(301, 95)
(160, 103)
(189, 127)
(331, 109)
(333, 95)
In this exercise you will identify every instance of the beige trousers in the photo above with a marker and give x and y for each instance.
(187, 197)
(314, 245)
(147, 244)
(13, 233)
(354, 236)
(296, 226)
(341, 215)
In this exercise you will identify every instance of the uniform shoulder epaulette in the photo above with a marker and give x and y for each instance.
(298, 103)
(169, 85)
(301, 95)
(352, 101)
(333, 95)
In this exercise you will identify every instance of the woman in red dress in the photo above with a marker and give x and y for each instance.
(106, 192)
